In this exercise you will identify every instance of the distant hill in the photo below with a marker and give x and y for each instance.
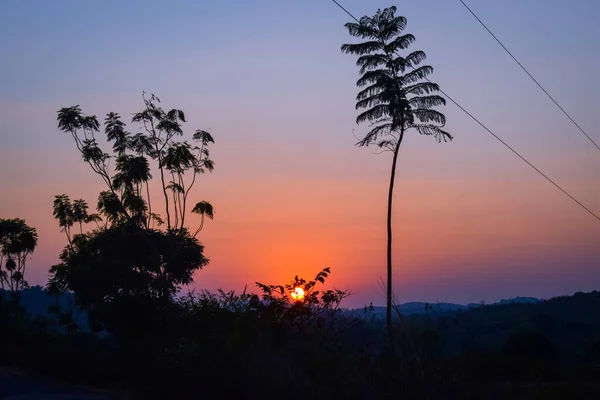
(519, 300)
(421, 308)
(571, 323)
(36, 301)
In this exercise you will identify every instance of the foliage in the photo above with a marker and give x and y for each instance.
(212, 335)
(396, 95)
(127, 266)
(314, 311)
(135, 262)
(68, 214)
(17, 242)
(127, 197)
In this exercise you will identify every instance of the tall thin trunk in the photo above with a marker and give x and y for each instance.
(162, 174)
(175, 212)
(388, 315)
(162, 179)
(182, 200)
(2, 291)
(149, 219)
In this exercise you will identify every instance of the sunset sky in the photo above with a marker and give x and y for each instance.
(292, 193)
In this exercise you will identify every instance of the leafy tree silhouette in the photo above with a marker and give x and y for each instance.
(17, 242)
(68, 214)
(316, 308)
(396, 95)
(126, 272)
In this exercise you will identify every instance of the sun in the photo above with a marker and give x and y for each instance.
(298, 293)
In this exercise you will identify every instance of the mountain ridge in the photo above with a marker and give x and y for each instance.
(420, 307)
(36, 302)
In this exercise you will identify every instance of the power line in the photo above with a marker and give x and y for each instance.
(530, 76)
(496, 136)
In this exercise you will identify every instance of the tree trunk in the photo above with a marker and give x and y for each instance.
(149, 219)
(388, 315)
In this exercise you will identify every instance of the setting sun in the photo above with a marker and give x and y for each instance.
(298, 293)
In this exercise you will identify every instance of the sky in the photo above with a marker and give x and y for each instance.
(292, 193)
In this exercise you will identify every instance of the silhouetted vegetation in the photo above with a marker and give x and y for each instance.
(269, 342)
(17, 243)
(126, 272)
(397, 97)
(114, 315)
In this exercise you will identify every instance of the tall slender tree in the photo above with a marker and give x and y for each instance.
(396, 96)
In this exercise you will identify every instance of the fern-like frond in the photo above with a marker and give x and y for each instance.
(363, 30)
(371, 90)
(204, 208)
(371, 101)
(374, 134)
(428, 116)
(69, 118)
(415, 58)
(435, 131)
(410, 61)
(417, 74)
(399, 43)
(371, 61)
(203, 136)
(394, 27)
(374, 113)
(361, 48)
(421, 88)
(374, 76)
(426, 102)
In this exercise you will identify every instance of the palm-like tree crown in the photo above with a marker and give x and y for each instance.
(394, 92)
(63, 211)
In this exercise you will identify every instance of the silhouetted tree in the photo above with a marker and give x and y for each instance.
(396, 95)
(127, 271)
(81, 215)
(122, 273)
(124, 199)
(63, 212)
(68, 214)
(204, 209)
(17, 243)
(173, 158)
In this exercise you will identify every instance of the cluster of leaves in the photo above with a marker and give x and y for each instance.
(17, 242)
(68, 214)
(127, 197)
(396, 93)
(316, 309)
